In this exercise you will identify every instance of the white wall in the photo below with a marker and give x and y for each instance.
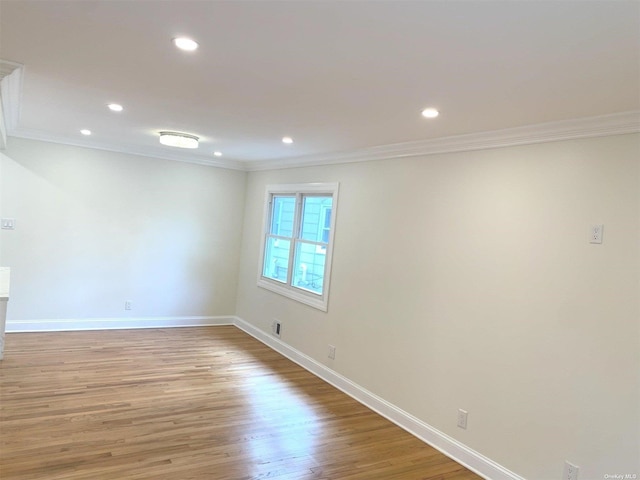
(459, 281)
(468, 281)
(96, 228)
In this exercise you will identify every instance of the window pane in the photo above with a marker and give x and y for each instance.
(308, 267)
(326, 226)
(283, 210)
(315, 226)
(276, 259)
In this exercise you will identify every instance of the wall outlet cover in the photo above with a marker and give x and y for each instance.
(8, 224)
(596, 234)
(462, 418)
(570, 471)
(332, 352)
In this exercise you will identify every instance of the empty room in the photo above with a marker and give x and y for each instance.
(319, 239)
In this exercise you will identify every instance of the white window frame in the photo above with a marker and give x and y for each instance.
(319, 301)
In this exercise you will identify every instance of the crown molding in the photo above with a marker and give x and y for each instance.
(599, 126)
(181, 156)
(603, 125)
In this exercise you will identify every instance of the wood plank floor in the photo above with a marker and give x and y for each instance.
(188, 403)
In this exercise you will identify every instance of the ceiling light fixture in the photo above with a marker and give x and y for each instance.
(217, 154)
(287, 140)
(84, 131)
(115, 107)
(180, 140)
(186, 44)
(430, 113)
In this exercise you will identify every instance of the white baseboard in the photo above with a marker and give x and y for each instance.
(66, 324)
(459, 452)
(455, 450)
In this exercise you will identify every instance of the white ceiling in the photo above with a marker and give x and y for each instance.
(337, 76)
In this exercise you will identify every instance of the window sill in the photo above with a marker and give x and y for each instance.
(310, 299)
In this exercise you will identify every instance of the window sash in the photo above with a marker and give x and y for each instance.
(312, 289)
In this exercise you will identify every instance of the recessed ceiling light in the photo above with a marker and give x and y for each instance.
(430, 113)
(180, 140)
(184, 43)
(84, 131)
(287, 140)
(115, 107)
(217, 154)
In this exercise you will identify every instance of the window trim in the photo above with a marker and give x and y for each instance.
(299, 294)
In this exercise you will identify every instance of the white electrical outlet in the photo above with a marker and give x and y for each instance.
(570, 471)
(8, 224)
(596, 234)
(128, 304)
(462, 418)
(276, 328)
(332, 352)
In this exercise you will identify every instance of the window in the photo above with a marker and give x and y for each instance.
(298, 235)
(325, 227)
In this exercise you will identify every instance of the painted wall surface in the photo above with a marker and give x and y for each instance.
(96, 228)
(468, 281)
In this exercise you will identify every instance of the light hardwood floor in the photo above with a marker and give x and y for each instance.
(188, 403)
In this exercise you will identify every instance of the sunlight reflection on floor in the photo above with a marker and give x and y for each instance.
(283, 424)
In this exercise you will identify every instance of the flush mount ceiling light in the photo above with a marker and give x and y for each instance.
(287, 140)
(180, 140)
(84, 131)
(186, 44)
(430, 113)
(217, 154)
(115, 107)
